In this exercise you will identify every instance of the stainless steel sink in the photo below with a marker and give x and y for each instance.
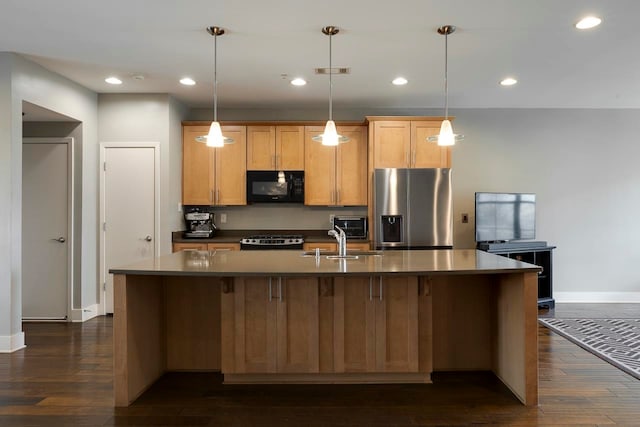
(355, 254)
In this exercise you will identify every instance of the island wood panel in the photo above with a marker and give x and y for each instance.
(139, 335)
(254, 325)
(354, 325)
(516, 357)
(290, 147)
(193, 323)
(396, 326)
(425, 328)
(326, 324)
(463, 318)
(297, 325)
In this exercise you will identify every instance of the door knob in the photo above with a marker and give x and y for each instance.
(148, 238)
(60, 239)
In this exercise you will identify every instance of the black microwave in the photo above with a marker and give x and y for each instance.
(275, 186)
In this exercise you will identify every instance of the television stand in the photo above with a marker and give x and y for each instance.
(537, 253)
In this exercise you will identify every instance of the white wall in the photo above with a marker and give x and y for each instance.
(22, 80)
(150, 118)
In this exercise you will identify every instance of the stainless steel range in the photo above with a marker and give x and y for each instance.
(272, 241)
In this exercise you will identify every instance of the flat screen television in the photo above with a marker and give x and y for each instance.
(501, 217)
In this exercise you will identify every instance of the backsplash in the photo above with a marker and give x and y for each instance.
(280, 217)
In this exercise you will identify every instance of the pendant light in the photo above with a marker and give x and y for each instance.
(330, 135)
(215, 137)
(446, 136)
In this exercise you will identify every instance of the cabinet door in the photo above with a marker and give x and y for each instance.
(290, 148)
(426, 154)
(391, 144)
(298, 326)
(254, 325)
(396, 324)
(197, 167)
(223, 246)
(354, 325)
(194, 246)
(261, 148)
(351, 167)
(323, 246)
(231, 167)
(319, 170)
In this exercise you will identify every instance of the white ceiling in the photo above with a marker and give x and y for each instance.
(534, 41)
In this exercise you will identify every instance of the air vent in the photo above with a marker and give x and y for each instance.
(334, 70)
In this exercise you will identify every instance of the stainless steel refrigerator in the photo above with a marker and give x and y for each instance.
(413, 208)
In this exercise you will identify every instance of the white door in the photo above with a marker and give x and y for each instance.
(129, 229)
(45, 236)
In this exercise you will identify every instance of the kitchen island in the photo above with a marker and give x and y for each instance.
(281, 317)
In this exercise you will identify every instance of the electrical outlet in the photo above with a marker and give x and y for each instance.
(331, 216)
(179, 207)
(223, 218)
(465, 218)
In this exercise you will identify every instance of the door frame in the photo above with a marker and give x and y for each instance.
(69, 141)
(104, 146)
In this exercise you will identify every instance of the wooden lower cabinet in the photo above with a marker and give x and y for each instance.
(328, 246)
(274, 323)
(206, 246)
(376, 324)
(326, 326)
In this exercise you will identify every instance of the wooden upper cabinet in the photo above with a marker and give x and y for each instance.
(391, 144)
(290, 148)
(197, 167)
(336, 175)
(231, 167)
(261, 148)
(403, 144)
(428, 154)
(275, 147)
(214, 176)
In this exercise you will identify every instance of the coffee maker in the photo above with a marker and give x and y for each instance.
(199, 223)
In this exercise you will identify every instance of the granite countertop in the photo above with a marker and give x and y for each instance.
(292, 263)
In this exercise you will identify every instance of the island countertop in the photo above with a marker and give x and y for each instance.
(293, 263)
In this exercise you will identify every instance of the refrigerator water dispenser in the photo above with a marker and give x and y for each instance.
(391, 228)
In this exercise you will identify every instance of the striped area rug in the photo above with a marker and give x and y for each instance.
(616, 341)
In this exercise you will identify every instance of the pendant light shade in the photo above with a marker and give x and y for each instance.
(215, 138)
(446, 136)
(330, 135)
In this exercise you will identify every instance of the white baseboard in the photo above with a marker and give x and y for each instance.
(81, 315)
(608, 297)
(11, 343)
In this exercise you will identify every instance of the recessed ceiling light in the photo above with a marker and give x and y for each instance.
(113, 81)
(399, 81)
(588, 22)
(187, 81)
(298, 82)
(509, 81)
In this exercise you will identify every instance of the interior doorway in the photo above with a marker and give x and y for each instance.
(129, 211)
(47, 232)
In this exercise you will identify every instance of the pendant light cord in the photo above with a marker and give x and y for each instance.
(330, 81)
(446, 84)
(215, 77)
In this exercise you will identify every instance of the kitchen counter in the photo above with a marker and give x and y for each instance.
(292, 263)
(280, 317)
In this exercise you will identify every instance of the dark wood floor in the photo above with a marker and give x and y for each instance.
(64, 377)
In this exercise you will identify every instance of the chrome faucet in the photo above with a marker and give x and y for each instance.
(341, 237)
